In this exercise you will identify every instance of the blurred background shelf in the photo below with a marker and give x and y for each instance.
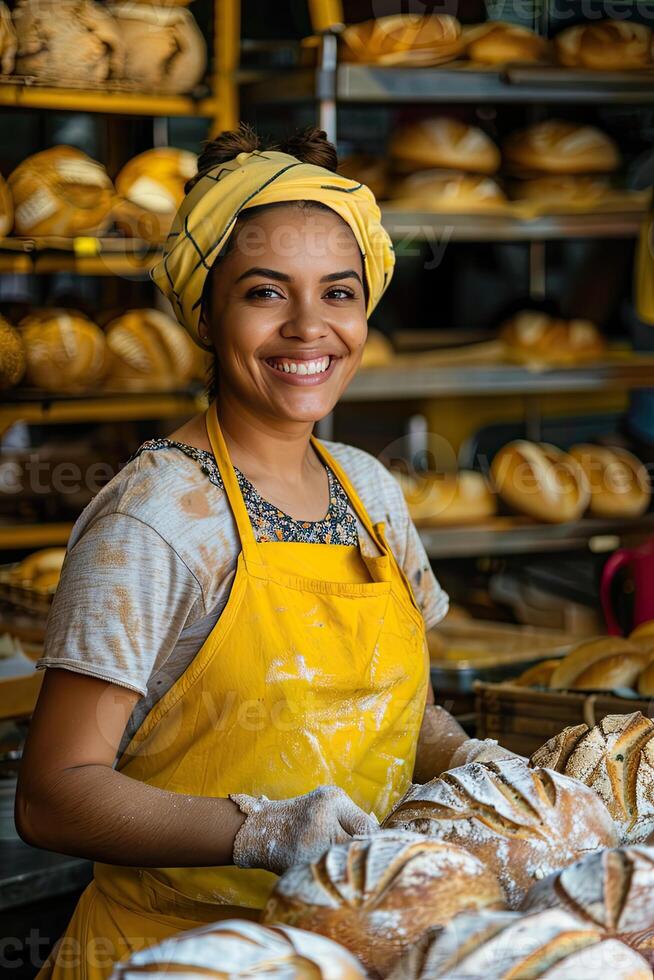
(85, 256)
(42, 408)
(19, 536)
(18, 93)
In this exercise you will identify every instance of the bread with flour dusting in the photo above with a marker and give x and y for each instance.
(616, 759)
(612, 889)
(506, 946)
(377, 896)
(523, 823)
(238, 948)
(541, 481)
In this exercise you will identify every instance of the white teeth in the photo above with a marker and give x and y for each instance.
(293, 369)
(302, 367)
(287, 367)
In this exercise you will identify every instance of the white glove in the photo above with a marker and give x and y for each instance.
(481, 750)
(280, 833)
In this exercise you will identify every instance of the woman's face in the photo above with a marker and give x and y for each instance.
(289, 313)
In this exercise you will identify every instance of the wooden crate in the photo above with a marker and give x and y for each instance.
(523, 718)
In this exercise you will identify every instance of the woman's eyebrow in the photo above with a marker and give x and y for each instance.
(265, 273)
(347, 274)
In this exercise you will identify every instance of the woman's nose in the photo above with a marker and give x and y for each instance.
(303, 320)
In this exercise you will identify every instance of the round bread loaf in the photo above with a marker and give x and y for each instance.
(557, 146)
(446, 190)
(445, 143)
(533, 337)
(610, 45)
(8, 41)
(619, 483)
(67, 42)
(539, 675)
(12, 355)
(522, 823)
(237, 948)
(643, 630)
(61, 191)
(65, 351)
(6, 208)
(603, 664)
(165, 51)
(540, 481)
(149, 351)
(616, 759)
(551, 944)
(378, 896)
(456, 498)
(378, 351)
(612, 889)
(152, 185)
(39, 568)
(498, 43)
(403, 39)
(560, 190)
(368, 170)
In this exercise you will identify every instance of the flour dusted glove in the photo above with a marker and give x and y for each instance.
(481, 750)
(280, 833)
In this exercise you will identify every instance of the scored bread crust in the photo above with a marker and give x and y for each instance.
(378, 896)
(611, 45)
(403, 40)
(436, 499)
(603, 663)
(449, 190)
(65, 351)
(498, 43)
(557, 146)
(523, 823)
(439, 142)
(541, 481)
(619, 483)
(508, 946)
(237, 948)
(149, 350)
(615, 758)
(152, 186)
(8, 42)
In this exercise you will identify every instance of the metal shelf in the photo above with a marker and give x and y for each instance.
(514, 536)
(19, 93)
(85, 255)
(49, 409)
(394, 384)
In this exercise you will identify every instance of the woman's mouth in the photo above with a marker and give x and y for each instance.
(300, 371)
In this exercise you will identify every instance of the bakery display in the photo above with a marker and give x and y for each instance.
(619, 483)
(165, 50)
(403, 40)
(605, 664)
(608, 45)
(440, 142)
(533, 337)
(616, 759)
(236, 948)
(6, 208)
(12, 355)
(522, 823)
(367, 169)
(378, 896)
(152, 188)
(540, 481)
(562, 190)
(61, 191)
(499, 43)
(149, 351)
(378, 351)
(558, 146)
(612, 889)
(552, 944)
(8, 41)
(446, 190)
(65, 351)
(39, 571)
(67, 42)
(447, 498)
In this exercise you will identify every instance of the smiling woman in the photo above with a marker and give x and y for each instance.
(236, 661)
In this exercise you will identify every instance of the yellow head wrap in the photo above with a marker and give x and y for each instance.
(209, 212)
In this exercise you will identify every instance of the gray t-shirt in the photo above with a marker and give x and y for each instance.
(151, 561)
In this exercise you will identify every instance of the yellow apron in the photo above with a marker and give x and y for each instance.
(315, 673)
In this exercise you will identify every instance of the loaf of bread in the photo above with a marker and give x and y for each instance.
(539, 675)
(607, 663)
(151, 186)
(619, 483)
(439, 142)
(12, 355)
(165, 50)
(522, 823)
(6, 208)
(238, 948)
(444, 498)
(368, 170)
(67, 42)
(612, 889)
(610, 45)
(551, 944)
(8, 41)
(61, 191)
(535, 338)
(378, 351)
(558, 146)
(40, 570)
(149, 351)
(616, 759)
(447, 190)
(378, 896)
(643, 630)
(498, 43)
(540, 481)
(560, 190)
(403, 40)
(66, 352)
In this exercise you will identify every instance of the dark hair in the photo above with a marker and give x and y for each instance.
(309, 145)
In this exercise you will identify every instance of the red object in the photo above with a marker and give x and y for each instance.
(641, 562)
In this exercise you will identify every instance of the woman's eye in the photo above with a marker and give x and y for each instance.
(263, 292)
(339, 292)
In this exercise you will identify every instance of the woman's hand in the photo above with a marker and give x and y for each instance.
(279, 833)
